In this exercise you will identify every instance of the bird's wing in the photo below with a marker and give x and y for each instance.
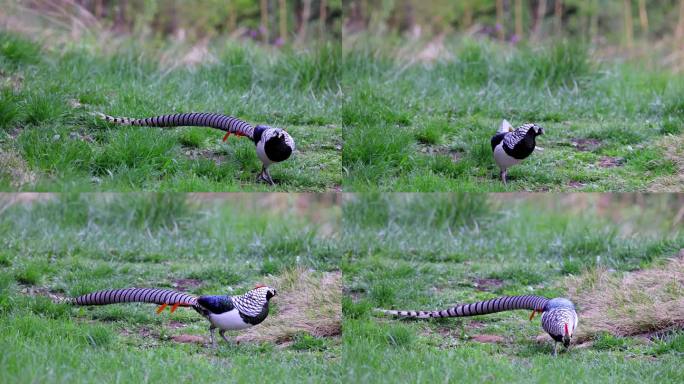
(513, 138)
(505, 127)
(216, 304)
(497, 139)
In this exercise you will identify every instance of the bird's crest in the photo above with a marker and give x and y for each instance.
(505, 126)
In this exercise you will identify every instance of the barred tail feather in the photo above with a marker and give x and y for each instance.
(499, 304)
(229, 124)
(135, 295)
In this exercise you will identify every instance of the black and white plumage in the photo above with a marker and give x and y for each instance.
(223, 312)
(559, 318)
(273, 145)
(510, 146)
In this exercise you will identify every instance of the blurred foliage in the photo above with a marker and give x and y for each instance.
(274, 21)
(601, 21)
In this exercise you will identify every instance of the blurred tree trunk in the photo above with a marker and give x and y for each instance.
(539, 19)
(519, 19)
(679, 32)
(500, 20)
(263, 5)
(467, 14)
(558, 15)
(98, 9)
(365, 12)
(593, 21)
(306, 13)
(232, 16)
(323, 16)
(120, 20)
(643, 16)
(629, 27)
(282, 8)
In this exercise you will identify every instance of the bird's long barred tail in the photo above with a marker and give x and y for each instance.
(135, 295)
(504, 303)
(229, 124)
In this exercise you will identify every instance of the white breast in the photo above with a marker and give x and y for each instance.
(502, 159)
(230, 320)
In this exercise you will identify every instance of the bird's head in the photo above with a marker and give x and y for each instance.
(535, 129)
(567, 334)
(264, 292)
(569, 325)
(278, 144)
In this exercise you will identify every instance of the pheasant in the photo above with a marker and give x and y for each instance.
(559, 318)
(510, 146)
(273, 145)
(223, 312)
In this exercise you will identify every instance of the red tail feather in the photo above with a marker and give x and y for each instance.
(161, 308)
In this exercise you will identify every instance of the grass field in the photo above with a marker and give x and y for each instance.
(72, 245)
(50, 142)
(411, 126)
(434, 251)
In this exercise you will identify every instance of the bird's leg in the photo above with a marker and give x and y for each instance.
(212, 332)
(555, 349)
(265, 176)
(223, 335)
(503, 175)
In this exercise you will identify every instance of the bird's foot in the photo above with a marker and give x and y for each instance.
(504, 177)
(223, 335)
(265, 176)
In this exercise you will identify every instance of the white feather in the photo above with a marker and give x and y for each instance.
(228, 321)
(505, 126)
(503, 160)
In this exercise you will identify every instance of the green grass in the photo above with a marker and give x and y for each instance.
(76, 244)
(404, 122)
(432, 251)
(47, 95)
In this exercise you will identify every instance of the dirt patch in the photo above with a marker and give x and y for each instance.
(176, 325)
(488, 285)
(576, 184)
(488, 339)
(635, 303)
(610, 162)
(186, 284)
(307, 301)
(146, 332)
(441, 150)
(42, 291)
(81, 137)
(188, 339)
(196, 153)
(476, 325)
(585, 145)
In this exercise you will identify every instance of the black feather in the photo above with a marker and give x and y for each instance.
(216, 304)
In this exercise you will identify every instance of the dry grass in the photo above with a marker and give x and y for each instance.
(639, 302)
(307, 302)
(674, 150)
(16, 169)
